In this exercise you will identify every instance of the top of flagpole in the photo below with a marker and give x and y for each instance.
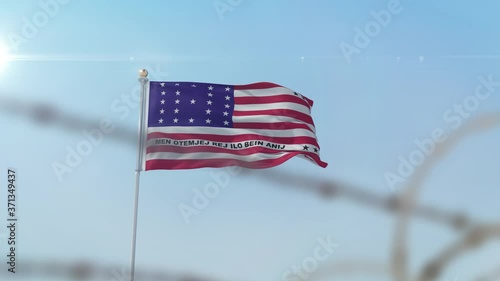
(143, 73)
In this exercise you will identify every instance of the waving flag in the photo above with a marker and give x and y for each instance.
(196, 125)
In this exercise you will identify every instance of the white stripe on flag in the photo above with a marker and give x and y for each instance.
(264, 92)
(273, 106)
(268, 145)
(233, 132)
(269, 120)
(211, 155)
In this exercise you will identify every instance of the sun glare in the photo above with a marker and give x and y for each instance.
(4, 56)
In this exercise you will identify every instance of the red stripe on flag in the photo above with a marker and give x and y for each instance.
(277, 112)
(272, 126)
(215, 163)
(265, 85)
(257, 86)
(219, 163)
(270, 99)
(309, 101)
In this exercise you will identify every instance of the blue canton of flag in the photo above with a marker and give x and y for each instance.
(190, 104)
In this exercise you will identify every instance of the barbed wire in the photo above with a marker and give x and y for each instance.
(47, 114)
(410, 194)
(403, 206)
(473, 239)
(89, 271)
(334, 189)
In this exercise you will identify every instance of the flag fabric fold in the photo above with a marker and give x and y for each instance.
(192, 125)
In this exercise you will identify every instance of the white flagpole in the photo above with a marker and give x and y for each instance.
(143, 79)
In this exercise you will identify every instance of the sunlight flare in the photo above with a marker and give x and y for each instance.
(4, 56)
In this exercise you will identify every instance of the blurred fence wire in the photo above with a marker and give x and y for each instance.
(404, 206)
(91, 271)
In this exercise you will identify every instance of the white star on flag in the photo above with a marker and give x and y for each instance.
(177, 101)
(211, 88)
(193, 101)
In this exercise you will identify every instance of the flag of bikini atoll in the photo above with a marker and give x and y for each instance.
(193, 125)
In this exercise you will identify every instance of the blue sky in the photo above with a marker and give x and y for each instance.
(368, 112)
